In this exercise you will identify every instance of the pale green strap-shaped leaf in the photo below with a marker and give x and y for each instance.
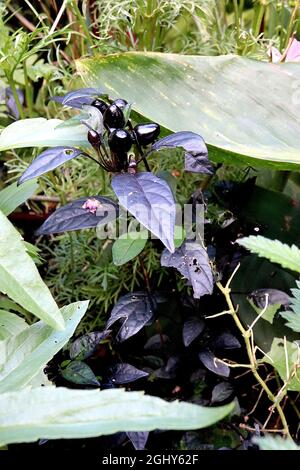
(55, 413)
(40, 380)
(11, 324)
(244, 109)
(12, 196)
(275, 443)
(29, 351)
(20, 279)
(273, 250)
(41, 132)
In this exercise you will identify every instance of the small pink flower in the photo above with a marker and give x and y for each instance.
(91, 205)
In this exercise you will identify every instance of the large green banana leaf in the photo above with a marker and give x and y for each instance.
(246, 110)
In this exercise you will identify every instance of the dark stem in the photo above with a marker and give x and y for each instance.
(142, 155)
(148, 289)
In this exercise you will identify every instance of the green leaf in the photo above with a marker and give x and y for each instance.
(20, 279)
(12, 196)
(128, 246)
(293, 317)
(10, 324)
(275, 251)
(41, 132)
(179, 236)
(55, 413)
(275, 443)
(29, 351)
(256, 273)
(79, 372)
(240, 119)
(284, 356)
(269, 313)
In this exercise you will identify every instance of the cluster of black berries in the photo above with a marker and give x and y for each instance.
(121, 136)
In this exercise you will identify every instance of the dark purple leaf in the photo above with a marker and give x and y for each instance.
(125, 373)
(212, 364)
(192, 262)
(11, 102)
(196, 154)
(136, 309)
(151, 201)
(156, 342)
(162, 373)
(172, 363)
(87, 345)
(48, 160)
(138, 439)
(169, 370)
(78, 98)
(191, 329)
(153, 361)
(274, 296)
(192, 441)
(86, 212)
(198, 376)
(80, 373)
(226, 341)
(221, 392)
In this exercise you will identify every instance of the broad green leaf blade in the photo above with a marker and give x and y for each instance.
(10, 324)
(285, 357)
(275, 251)
(12, 196)
(128, 246)
(244, 109)
(55, 413)
(29, 351)
(40, 132)
(20, 279)
(275, 443)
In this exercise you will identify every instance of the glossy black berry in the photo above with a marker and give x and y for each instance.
(101, 105)
(114, 117)
(119, 141)
(120, 103)
(94, 138)
(146, 134)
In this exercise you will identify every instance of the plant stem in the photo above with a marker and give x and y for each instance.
(72, 260)
(291, 23)
(83, 24)
(237, 20)
(16, 96)
(103, 181)
(247, 338)
(28, 93)
(258, 18)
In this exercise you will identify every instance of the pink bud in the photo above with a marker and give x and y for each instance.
(91, 205)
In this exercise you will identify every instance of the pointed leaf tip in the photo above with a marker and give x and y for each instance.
(49, 160)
